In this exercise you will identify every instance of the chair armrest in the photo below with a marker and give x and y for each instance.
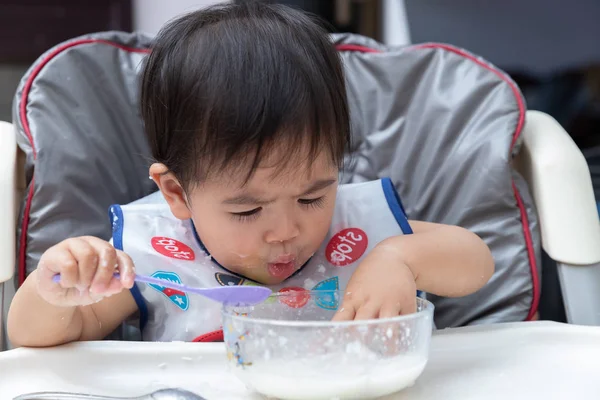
(8, 171)
(561, 185)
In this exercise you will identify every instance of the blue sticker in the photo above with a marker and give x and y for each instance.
(177, 297)
(328, 301)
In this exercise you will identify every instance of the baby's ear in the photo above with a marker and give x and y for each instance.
(171, 190)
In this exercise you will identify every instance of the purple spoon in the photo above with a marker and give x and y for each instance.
(247, 295)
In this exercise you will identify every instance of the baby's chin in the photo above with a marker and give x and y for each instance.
(270, 280)
(262, 275)
(264, 278)
(258, 275)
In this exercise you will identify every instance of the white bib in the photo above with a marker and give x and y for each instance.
(166, 247)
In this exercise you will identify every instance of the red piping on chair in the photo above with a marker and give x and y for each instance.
(520, 122)
(26, 128)
(356, 47)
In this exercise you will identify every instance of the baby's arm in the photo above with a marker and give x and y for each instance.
(439, 259)
(45, 313)
(445, 260)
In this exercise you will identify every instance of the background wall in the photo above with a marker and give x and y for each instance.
(150, 15)
(537, 36)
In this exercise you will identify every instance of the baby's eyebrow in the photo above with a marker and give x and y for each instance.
(248, 199)
(319, 185)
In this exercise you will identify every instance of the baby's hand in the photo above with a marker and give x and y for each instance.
(382, 286)
(86, 266)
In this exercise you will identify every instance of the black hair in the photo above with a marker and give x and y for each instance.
(225, 85)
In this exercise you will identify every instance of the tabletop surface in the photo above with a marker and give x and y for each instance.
(533, 360)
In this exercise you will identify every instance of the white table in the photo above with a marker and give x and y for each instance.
(535, 360)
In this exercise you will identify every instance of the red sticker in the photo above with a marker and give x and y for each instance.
(346, 246)
(297, 297)
(171, 292)
(173, 248)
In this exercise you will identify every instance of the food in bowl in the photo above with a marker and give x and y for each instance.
(288, 348)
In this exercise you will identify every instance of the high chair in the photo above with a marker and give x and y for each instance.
(449, 129)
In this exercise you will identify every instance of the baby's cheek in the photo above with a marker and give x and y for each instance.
(242, 253)
(244, 249)
(319, 233)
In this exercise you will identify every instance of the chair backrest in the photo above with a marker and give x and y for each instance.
(441, 122)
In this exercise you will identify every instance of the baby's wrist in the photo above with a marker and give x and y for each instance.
(391, 249)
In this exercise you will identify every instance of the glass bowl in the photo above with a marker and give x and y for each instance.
(288, 348)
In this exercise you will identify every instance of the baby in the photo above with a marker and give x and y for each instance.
(246, 114)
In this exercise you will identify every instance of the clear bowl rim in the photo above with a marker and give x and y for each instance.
(426, 311)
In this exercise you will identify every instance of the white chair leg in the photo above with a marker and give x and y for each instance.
(581, 293)
(9, 195)
(7, 292)
(3, 344)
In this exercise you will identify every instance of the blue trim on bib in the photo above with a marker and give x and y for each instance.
(115, 213)
(116, 217)
(139, 300)
(396, 207)
(395, 204)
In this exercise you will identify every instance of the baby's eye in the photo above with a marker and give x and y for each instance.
(314, 203)
(247, 215)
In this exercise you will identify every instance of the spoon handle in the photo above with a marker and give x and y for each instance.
(164, 283)
(249, 295)
(150, 280)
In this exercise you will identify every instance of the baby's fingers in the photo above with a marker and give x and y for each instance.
(82, 274)
(107, 266)
(57, 261)
(126, 269)
(346, 312)
(390, 310)
(408, 304)
(119, 262)
(370, 310)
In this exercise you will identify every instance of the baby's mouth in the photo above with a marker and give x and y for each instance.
(283, 266)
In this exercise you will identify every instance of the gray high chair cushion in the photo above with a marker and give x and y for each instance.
(440, 122)
(77, 119)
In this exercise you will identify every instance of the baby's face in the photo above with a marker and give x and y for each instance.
(267, 229)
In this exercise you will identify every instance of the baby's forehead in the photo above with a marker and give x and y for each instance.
(293, 173)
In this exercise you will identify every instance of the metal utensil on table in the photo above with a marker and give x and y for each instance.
(162, 394)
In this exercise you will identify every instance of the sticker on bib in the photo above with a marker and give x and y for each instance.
(346, 246)
(179, 298)
(296, 297)
(172, 248)
(228, 280)
(329, 299)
